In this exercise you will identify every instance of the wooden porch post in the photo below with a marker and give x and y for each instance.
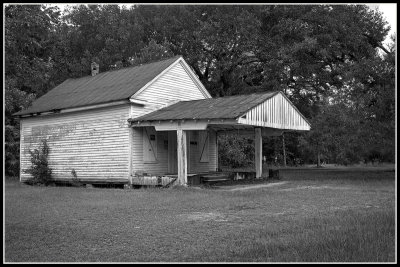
(258, 152)
(182, 157)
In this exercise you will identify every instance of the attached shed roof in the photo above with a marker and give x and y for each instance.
(230, 107)
(104, 87)
(270, 110)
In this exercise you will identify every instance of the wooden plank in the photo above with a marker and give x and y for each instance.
(186, 125)
(182, 157)
(131, 151)
(258, 152)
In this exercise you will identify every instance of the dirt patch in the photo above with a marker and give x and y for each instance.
(226, 188)
(205, 216)
(357, 207)
(314, 187)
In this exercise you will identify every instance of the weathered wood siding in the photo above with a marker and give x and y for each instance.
(276, 112)
(94, 142)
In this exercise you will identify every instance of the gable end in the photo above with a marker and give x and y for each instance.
(176, 82)
(276, 112)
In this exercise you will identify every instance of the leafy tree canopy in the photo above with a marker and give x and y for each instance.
(318, 55)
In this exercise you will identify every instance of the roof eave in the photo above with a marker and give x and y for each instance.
(72, 109)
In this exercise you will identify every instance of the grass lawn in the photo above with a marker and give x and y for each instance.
(316, 216)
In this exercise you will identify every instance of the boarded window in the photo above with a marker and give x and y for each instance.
(204, 146)
(149, 144)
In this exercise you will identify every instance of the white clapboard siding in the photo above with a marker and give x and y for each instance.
(95, 143)
(175, 84)
(276, 112)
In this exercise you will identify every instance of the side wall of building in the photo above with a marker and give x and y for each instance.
(94, 143)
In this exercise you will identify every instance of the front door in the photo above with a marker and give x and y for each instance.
(172, 153)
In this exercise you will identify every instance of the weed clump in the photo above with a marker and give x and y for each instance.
(75, 181)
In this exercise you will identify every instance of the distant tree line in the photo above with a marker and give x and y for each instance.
(328, 59)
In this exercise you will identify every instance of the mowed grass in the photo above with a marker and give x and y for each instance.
(317, 216)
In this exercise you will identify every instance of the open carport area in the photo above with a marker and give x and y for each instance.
(311, 215)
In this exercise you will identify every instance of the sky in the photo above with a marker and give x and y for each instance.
(388, 12)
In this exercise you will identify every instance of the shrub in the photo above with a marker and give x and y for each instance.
(40, 170)
(11, 146)
(235, 151)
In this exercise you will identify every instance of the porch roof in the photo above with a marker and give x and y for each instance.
(270, 110)
(230, 107)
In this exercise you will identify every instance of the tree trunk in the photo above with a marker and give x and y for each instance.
(318, 159)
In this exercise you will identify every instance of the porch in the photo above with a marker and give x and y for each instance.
(255, 116)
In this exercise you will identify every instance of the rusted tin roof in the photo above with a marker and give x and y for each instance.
(230, 107)
(104, 87)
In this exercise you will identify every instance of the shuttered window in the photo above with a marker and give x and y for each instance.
(149, 144)
(204, 146)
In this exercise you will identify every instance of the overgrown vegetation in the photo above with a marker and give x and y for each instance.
(40, 170)
(235, 151)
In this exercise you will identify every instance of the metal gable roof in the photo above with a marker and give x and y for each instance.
(104, 87)
(230, 107)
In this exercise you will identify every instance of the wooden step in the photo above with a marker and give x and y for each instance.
(214, 178)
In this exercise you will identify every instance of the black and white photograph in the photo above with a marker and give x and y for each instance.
(199, 133)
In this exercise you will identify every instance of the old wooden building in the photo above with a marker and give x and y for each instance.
(156, 118)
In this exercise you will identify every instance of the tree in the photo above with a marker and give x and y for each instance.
(152, 52)
(108, 34)
(29, 31)
(307, 51)
(28, 41)
(216, 41)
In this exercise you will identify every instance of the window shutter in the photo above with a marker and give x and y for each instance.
(204, 146)
(149, 144)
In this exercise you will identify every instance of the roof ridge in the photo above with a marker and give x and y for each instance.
(231, 96)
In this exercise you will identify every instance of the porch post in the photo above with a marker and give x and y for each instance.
(182, 157)
(258, 152)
